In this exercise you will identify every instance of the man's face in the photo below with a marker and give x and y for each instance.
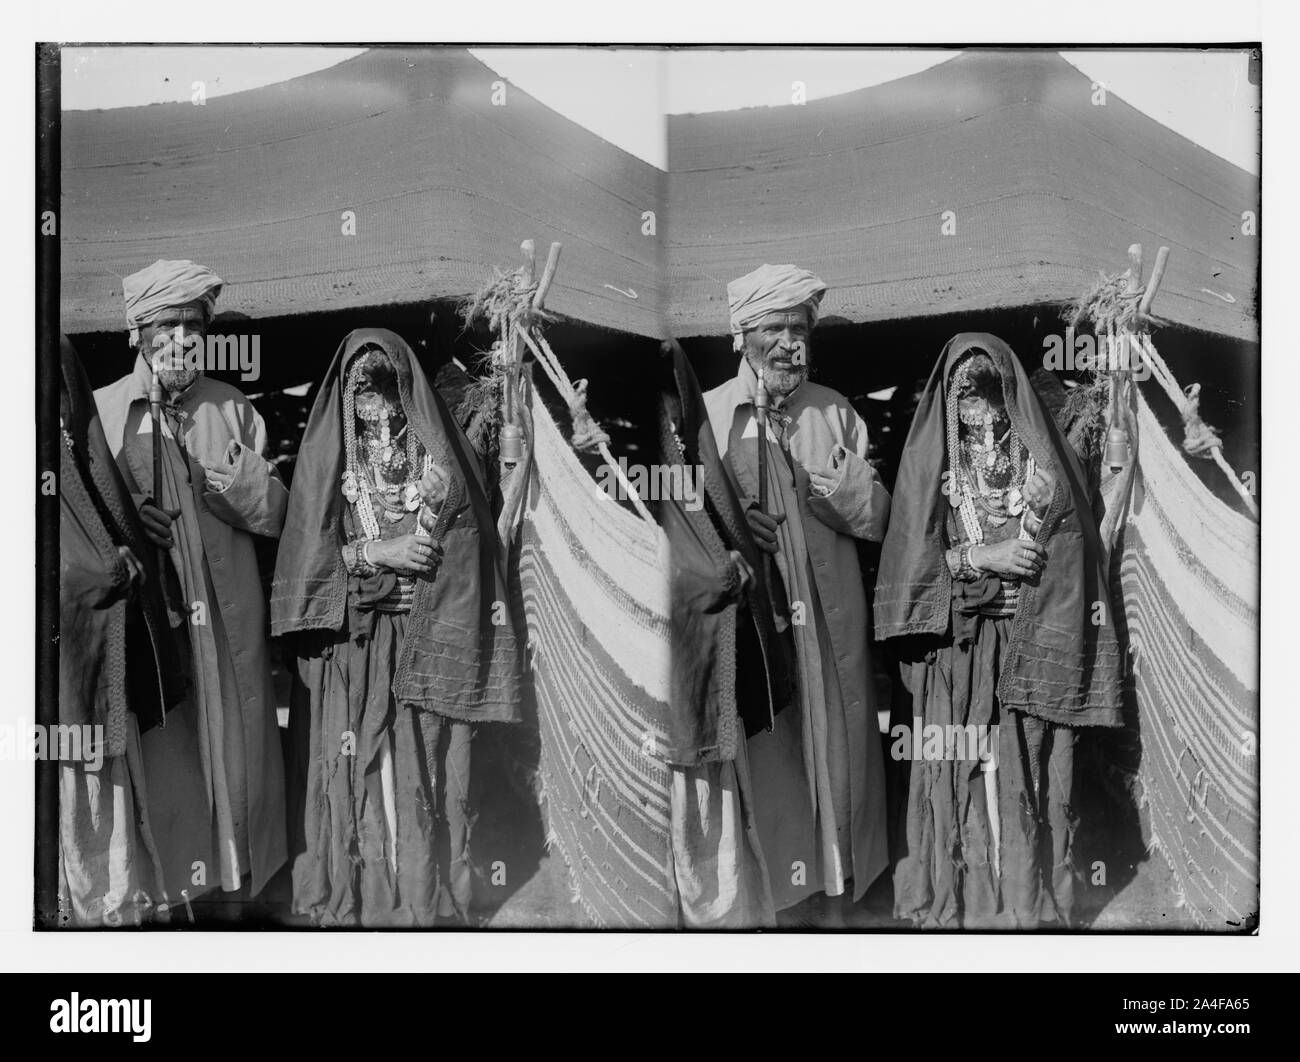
(173, 342)
(780, 346)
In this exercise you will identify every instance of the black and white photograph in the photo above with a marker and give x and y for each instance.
(598, 488)
(819, 493)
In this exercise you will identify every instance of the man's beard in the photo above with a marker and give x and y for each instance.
(177, 380)
(783, 381)
(780, 381)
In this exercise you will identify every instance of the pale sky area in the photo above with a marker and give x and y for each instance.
(623, 94)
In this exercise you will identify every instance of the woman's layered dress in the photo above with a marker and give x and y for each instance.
(1025, 664)
(393, 672)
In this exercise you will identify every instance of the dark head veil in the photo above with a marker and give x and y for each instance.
(1063, 663)
(460, 656)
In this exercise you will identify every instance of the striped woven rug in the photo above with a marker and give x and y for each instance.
(1190, 577)
(594, 582)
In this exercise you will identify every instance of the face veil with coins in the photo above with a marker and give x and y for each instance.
(390, 481)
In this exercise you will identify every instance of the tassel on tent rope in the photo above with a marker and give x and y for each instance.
(1199, 439)
(587, 434)
(1119, 305)
(512, 303)
(578, 401)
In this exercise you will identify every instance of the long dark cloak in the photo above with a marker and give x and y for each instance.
(117, 649)
(725, 650)
(461, 656)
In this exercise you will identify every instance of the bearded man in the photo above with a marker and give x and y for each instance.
(818, 772)
(215, 772)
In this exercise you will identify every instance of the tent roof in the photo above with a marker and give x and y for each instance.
(443, 183)
(1047, 188)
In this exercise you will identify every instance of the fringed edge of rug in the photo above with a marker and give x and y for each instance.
(1157, 847)
(554, 845)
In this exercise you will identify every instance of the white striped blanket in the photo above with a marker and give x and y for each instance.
(594, 579)
(1190, 580)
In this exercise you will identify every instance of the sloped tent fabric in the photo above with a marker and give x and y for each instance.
(1189, 572)
(441, 182)
(594, 580)
(1045, 186)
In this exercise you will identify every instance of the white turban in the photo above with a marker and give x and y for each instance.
(771, 288)
(165, 285)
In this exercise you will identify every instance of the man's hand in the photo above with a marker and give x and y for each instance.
(1038, 490)
(408, 554)
(158, 523)
(763, 527)
(824, 483)
(1013, 557)
(217, 480)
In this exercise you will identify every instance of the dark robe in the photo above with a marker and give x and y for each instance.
(731, 671)
(117, 649)
(121, 668)
(727, 655)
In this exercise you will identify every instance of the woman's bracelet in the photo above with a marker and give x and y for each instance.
(960, 565)
(952, 558)
(356, 558)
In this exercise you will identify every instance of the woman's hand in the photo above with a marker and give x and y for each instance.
(434, 486)
(1038, 490)
(744, 573)
(1013, 557)
(406, 554)
(131, 566)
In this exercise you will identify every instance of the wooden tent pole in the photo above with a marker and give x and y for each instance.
(1153, 285)
(548, 274)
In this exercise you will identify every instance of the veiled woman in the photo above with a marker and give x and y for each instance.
(389, 579)
(991, 584)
